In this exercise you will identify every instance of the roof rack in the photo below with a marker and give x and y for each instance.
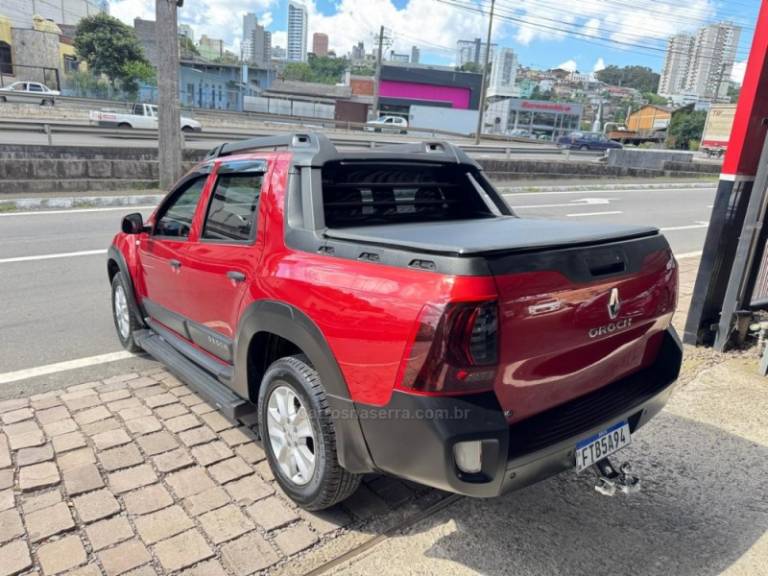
(316, 149)
(306, 142)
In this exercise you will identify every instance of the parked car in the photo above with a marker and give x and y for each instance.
(142, 116)
(385, 311)
(521, 133)
(29, 92)
(394, 124)
(587, 141)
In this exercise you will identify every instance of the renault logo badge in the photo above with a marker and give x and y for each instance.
(614, 304)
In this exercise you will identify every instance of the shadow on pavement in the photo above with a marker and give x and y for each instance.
(704, 504)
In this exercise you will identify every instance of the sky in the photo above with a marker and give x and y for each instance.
(583, 35)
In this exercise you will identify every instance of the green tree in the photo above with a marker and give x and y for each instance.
(108, 46)
(187, 47)
(640, 78)
(686, 127)
(297, 71)
(135, 72)
(471, 67)
(539, 94)
(655, 99)
(321, 69)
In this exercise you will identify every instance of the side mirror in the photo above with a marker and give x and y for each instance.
(133, 224)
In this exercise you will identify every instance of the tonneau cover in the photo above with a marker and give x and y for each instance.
(486, 236)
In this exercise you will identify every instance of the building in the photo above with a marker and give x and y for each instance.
(395, 57)
(279, 53)
(210, 48)
(472, 52)
(20, 12)
(186, 31)
(256, 45)
(673, 75)
(320, 44)
(220, 86)
(298, 24)
(404, 85)
(415, 55)
(503, 75)
(358, 52)
(714, 53)
(698, 68)
(649, 119)
(537, 117)
(147, 35)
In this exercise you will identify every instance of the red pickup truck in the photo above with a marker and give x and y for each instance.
(385, 311)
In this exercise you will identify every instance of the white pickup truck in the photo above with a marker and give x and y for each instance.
(142, 116)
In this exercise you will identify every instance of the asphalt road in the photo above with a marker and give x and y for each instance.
(57, 309)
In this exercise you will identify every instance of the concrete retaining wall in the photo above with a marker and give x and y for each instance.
(647, 159)
(84, 169)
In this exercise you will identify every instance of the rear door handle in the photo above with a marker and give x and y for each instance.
(236, 276)
(175, 264)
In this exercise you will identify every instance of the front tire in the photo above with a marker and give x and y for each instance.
(126, 322)
(298, 435)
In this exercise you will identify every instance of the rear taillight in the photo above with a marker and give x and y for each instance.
(454, 349)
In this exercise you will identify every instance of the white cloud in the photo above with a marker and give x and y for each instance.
(280, 38)
(636, 23)
(592, 27)
(569, 65)
(599, 65)
(214, 18)
(431, 25)
(739, 69)
(266, 19)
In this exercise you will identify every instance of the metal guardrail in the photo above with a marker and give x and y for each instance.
(365, 140)
(303, 122)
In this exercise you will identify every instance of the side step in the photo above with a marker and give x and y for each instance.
(229, 403)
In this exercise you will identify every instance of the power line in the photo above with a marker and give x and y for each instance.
(637, 44)
(580, 36)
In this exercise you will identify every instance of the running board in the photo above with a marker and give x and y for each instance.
(229, 403)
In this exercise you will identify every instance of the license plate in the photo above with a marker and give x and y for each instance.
(597, 447)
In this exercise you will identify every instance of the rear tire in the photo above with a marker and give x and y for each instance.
(584, 148)
(124, 125)
(186, 129)
(3, 99)
(301, 450)
(124, 316)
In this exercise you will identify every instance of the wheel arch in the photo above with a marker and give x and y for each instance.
(116, 264)
(269, 330)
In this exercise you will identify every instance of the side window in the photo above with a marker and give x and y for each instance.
(138, 110)
(35, 88)
(233, 209)
(176, 219)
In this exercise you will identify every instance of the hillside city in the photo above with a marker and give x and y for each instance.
(305, 78)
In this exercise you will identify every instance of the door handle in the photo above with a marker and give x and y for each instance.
(236, 276)
(175, 264)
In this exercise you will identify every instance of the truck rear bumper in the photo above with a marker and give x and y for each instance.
(414, 436)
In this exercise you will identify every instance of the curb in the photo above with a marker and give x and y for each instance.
(78, 202)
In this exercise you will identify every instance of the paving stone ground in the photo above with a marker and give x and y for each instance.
(137, 475)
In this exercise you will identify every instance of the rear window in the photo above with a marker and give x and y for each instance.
(367, 195)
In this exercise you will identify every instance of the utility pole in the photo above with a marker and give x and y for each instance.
(169, 116)
(481, 109)
(378, 73)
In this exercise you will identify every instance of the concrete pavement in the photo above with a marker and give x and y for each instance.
(137, 475)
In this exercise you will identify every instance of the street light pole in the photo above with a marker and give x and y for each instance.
(169, 115)
(481, 108)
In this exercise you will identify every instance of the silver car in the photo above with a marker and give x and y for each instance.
(28, 93)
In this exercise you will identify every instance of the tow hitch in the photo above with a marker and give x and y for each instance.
(609, 479)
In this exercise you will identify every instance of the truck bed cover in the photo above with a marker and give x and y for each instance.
(486, 236)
